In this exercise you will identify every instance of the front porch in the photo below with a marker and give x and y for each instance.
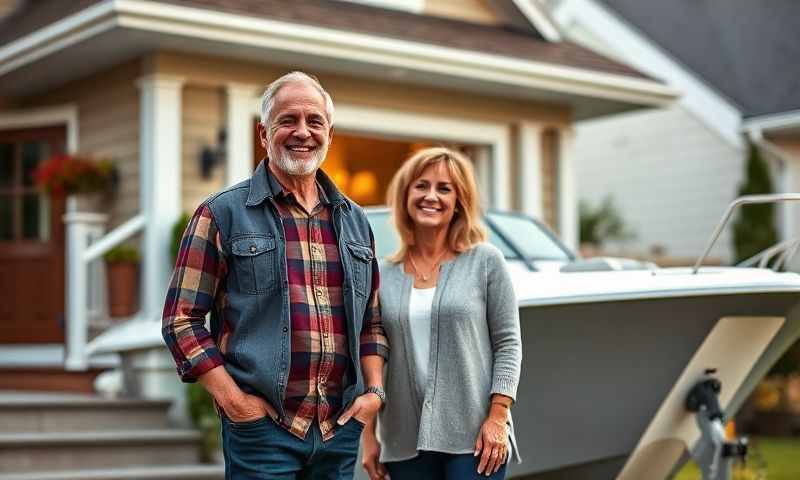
(186, 82)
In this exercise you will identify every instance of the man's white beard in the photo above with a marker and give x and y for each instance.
(299, 168)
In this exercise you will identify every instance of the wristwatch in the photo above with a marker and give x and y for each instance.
(377, 391)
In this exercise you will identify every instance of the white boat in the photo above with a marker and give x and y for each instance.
(612, 348)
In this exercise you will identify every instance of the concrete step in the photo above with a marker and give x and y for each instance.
(47, 379)
(172, 472)
(32, 412)
(28, 452)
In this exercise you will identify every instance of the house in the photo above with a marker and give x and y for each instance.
(158, 85)
(735, 63)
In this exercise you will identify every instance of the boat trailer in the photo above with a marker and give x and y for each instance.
(713, 453)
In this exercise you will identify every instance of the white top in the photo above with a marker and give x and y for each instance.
(419, 319)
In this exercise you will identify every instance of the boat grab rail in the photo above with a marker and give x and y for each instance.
(785, 249)
(745, 200)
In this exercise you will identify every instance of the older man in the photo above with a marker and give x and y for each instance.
(285, 264)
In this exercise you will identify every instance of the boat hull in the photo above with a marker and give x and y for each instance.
(595, 375)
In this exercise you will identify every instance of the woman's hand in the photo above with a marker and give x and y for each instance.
(492, 441)
(364, 409)
(370, 454)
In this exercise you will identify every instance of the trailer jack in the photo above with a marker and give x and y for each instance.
(713, 453)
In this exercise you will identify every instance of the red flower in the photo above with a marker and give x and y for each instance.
(66, 174)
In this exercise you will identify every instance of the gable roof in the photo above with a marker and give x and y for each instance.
(508, 41)
(747, 50)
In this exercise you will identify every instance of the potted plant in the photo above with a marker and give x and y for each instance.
(122, 271)
(80, 177)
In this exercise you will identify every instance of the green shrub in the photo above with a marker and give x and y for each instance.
(122, 254)
(177, 234)
(601, 224)
(204, 417)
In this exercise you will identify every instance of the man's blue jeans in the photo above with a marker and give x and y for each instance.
(263, 450)
(440, 466)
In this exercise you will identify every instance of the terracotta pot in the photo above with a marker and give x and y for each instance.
(123, 288)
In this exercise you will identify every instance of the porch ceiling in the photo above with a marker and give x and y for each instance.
(105, 35)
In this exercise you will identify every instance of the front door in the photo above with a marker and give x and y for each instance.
(31, 241)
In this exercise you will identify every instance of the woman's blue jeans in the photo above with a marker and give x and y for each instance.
(444, 466)
(263, 450)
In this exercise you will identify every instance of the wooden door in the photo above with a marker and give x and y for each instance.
(31, 240)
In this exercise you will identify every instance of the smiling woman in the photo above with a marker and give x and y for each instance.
(445, 295)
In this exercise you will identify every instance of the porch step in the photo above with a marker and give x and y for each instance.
(26, 452)
(175, 472)
(31, 413)
(54, 379)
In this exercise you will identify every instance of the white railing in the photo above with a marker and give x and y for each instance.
(784, 251)
(85, 285)
(750, 200)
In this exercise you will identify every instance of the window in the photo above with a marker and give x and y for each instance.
(24, 210)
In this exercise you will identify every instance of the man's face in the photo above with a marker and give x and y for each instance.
(298, 132)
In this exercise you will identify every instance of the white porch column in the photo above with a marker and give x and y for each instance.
(160, 183)
(789, 226)
(239, 127)
(530, 172)
(567, 191)
(501, 176)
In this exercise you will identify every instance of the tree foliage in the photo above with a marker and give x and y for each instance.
(754, 229)
(601, 224)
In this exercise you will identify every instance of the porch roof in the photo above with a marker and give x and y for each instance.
(322, 35)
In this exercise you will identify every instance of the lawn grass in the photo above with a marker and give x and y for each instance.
(770, 458)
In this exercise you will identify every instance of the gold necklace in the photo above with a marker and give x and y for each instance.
(417, 271)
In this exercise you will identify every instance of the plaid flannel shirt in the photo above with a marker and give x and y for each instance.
(319, 351)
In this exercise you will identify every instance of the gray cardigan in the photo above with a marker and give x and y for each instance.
(475, 351)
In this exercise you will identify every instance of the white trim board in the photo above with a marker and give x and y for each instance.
(417, 125)
(43, 117)
(773, 122)
(413, 6)
(539, 18)
(46, 355)
(336, 44)
(699, 98)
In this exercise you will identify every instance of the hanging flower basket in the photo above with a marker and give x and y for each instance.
(82, 176)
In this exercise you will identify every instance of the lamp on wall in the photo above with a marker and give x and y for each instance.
(211, 156)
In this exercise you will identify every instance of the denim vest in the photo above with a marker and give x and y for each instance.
(258, 352)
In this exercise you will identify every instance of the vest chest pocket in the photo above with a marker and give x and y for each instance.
(361, 262)
(254, 263)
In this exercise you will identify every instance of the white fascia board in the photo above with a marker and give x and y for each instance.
(413, 6)
(773, 122)
(265, 33)
(698, 97)
(239, 29)
(539, 19)
(57, 36)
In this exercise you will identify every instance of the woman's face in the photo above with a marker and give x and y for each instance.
(432, 197)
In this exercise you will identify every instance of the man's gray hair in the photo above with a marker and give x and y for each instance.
(268, 98)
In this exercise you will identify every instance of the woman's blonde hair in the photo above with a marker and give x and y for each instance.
(465, 228)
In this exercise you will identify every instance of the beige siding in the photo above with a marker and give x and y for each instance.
(108, 113)
(203, 117)
(209, 74)
(477, 11)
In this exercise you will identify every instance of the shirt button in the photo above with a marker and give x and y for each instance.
(285, 329)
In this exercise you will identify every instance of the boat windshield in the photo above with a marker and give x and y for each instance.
(514, 235)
